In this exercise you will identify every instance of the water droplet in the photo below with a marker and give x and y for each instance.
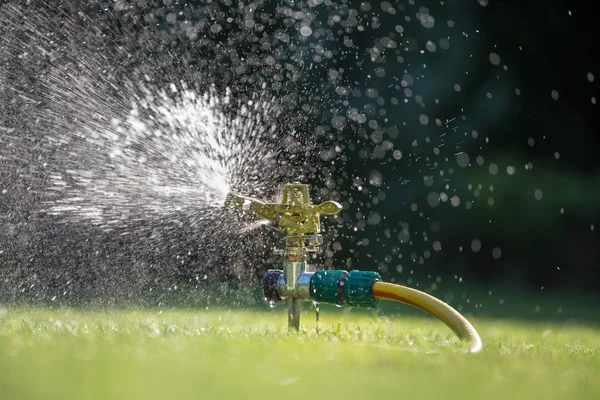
(433, 199)
(494, 58)
(497, 253)
(462, 159)
(475, 245)
(306, 31)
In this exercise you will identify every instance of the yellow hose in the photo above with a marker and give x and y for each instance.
(455, 321)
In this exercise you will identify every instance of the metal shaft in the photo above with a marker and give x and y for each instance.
(292, 270)
(294, 306)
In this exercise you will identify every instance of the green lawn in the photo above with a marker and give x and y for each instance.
(221, 354)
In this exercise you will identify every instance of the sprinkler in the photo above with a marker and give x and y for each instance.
(300, 219)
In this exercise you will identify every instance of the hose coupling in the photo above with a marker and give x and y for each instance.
(354, 288)
(279, 285)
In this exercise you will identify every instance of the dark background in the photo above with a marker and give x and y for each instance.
(533, 112)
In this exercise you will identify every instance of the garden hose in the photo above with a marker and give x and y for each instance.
(365, 289)
(452, 318)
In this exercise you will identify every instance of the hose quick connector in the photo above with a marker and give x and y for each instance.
(328, 286)
(354, 288)
(359, 288)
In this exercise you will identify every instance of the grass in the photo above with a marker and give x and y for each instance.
(223, 354)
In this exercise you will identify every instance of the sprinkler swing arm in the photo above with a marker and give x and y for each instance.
(301, 220)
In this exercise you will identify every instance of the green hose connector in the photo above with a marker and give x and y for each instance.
(354, 288)
(358, 289)
(327, 286)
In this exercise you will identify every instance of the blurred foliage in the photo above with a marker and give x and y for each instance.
(515, 94)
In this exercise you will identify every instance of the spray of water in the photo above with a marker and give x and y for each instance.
(113, 150)
(174, 153)
(117, 179)
(116, 122)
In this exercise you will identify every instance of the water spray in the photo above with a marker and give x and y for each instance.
(300, 219)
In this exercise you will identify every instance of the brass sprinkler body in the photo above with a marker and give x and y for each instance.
(301, 220)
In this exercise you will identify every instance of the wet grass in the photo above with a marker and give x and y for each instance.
(212, 354)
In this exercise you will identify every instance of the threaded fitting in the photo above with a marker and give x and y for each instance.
(358, 289)
(270, 281)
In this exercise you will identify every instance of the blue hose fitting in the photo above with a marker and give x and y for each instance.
(270, 285)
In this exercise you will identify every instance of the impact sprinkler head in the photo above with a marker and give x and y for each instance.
(295, 214)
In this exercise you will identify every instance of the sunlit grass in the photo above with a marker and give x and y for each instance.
(211, 354)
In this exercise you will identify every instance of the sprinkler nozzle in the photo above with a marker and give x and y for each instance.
(234, 202)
